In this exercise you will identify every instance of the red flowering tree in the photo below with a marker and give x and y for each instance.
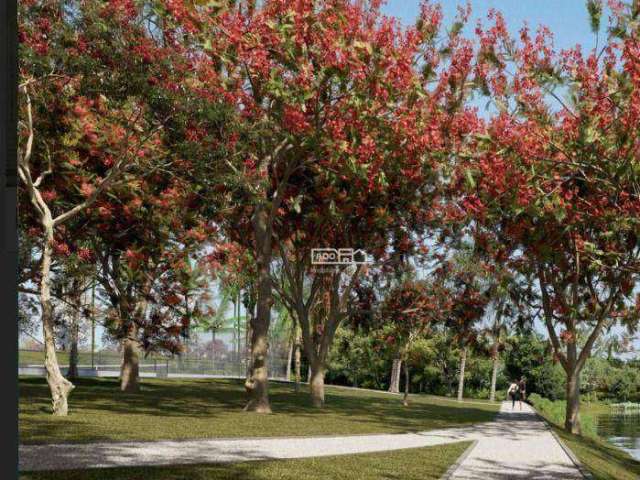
(555, 178)
(318, 89)
(149, 247)
(411, 309)
(368, 135)
(84, 77)
(468, 297)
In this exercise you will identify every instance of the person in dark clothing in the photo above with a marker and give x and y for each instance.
(522, 391)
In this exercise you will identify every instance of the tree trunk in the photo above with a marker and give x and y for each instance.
(396, 368)
(59, 386)
(572, 419)
(297, 363)
(213, 350)
(93, 326)
(257, 386)
(74, 331)
(316, 385)
(463, 362)
(130, 370)
(289, 358)
(494, 375)
(247, 347)
(405, 399)
(72, 373)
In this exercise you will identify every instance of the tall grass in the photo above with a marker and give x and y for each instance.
(554, 411)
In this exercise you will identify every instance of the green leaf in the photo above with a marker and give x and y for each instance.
(364, 46)
(470, 180)
(594, 8)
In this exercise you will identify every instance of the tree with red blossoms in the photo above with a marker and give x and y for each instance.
(366, 130)
(556, 178)
(412, 309)
(319, 90)
(83, 123)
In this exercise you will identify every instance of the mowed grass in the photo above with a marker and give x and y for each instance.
(182, 409)
(428, 463)
(603, 460)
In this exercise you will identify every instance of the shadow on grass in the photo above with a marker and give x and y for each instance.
(411, 464)
(213, 408)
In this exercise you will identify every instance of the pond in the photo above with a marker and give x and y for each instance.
(622, 430)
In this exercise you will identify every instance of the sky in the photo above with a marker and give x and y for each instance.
(567, 19)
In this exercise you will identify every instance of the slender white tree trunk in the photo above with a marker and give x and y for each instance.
(463, 362)
(494, 374)
(289, 358)
(59, 386)
(396, 368)
(298, 362)
(405, 399)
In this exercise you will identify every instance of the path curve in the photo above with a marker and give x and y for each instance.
(516, 445)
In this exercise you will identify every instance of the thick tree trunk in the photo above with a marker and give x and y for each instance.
(463, 362)
(572, 419)
(257, 385)
(316, 385)
(59, 386)
(396, 368)
(130, 370)
(494, 375)
(405, 399)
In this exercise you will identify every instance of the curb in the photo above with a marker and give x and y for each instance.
(452, 469)
(581, 468)
(585, 473)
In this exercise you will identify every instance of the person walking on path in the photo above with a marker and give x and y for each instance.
(513, 394)
(522, 391)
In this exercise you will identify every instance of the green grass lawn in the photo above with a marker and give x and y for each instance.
(427, 463)
(603, 460)
(181, 409)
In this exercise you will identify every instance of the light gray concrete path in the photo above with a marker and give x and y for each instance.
(515, 445)
(518, 445)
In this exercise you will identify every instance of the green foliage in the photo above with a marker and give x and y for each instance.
(358, 360)
(554, 411)
(528, 355)
(595, 14)
(365, 360)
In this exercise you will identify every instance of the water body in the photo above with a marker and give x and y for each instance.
(622, 430)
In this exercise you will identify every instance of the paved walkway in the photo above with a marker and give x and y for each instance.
(518, 445)
(515, 445)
